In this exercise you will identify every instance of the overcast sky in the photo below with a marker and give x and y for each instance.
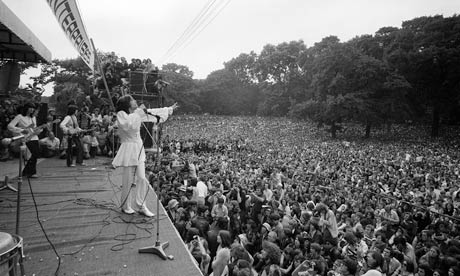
(147, 28)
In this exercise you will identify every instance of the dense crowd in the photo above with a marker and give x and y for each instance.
(269, 196)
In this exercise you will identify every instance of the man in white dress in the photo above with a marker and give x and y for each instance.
(131, 155)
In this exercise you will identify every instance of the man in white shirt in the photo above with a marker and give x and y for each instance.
(23, 124)
(70, 127)
(192, 169)
(50, 145)
(268, 193)
(202, 191)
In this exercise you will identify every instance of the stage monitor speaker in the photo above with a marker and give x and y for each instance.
(10, 74)
(42, 114)
(136, 82)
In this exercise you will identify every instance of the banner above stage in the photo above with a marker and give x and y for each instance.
(68, 16)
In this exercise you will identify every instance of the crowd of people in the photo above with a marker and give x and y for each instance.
(270, 196)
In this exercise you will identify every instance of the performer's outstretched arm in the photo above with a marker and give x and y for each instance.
(162, 113)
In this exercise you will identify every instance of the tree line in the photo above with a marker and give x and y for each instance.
(397, 75)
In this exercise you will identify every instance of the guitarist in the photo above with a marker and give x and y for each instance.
(70, 128)
(20, 125)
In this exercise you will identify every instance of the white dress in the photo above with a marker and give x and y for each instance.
(131, 151)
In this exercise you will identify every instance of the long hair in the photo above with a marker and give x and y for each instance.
(226, 238)
(71, 109)
(124, 103)
(25, 108)
(378, 259)
(273, 251)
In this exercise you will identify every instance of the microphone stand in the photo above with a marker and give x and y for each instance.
(18, 207)
(6, 184)
(158, 248)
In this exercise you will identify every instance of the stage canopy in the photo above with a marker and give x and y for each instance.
(17, 42)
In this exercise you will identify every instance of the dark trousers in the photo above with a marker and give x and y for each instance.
(74, 139)
(92, 152)
(31, 165)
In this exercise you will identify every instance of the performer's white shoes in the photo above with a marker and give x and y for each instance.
(128, 210)
(146, 212)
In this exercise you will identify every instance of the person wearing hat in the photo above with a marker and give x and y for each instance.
(21, 125)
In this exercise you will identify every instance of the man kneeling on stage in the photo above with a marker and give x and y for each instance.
(131, 155)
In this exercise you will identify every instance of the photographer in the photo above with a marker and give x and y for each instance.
(198, 247)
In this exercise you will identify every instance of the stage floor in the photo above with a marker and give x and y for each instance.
(77, 208)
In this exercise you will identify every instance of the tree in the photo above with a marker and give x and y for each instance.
(244, 67)
(181, 89)
(279, 76)
(63, 93)
(426, 51)
(177, 68)
(222, 93)
(347, 85)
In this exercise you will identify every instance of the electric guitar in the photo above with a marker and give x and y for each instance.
(32, 131)
(75, 131)
(29, 132)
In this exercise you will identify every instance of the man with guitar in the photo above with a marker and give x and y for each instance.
(70, 128)
(24, 124)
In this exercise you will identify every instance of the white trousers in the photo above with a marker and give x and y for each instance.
(137, 195)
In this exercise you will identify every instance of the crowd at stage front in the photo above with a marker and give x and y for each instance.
(268, 196)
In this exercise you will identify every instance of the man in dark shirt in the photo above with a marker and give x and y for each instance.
(201, 222)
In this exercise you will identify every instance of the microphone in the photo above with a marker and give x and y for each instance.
(148, 113)
(7, 141)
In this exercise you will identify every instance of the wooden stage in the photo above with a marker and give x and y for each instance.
(78, 209)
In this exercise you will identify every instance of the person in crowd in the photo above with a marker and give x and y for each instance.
(328, 221)
(391, 265)
(96, 117)
(219, 210)
(198, 247)
(201, 191)
(102, 137)
(223, 253)
(90, 145)
(374, 262)
(268, 256)
(50, 145)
